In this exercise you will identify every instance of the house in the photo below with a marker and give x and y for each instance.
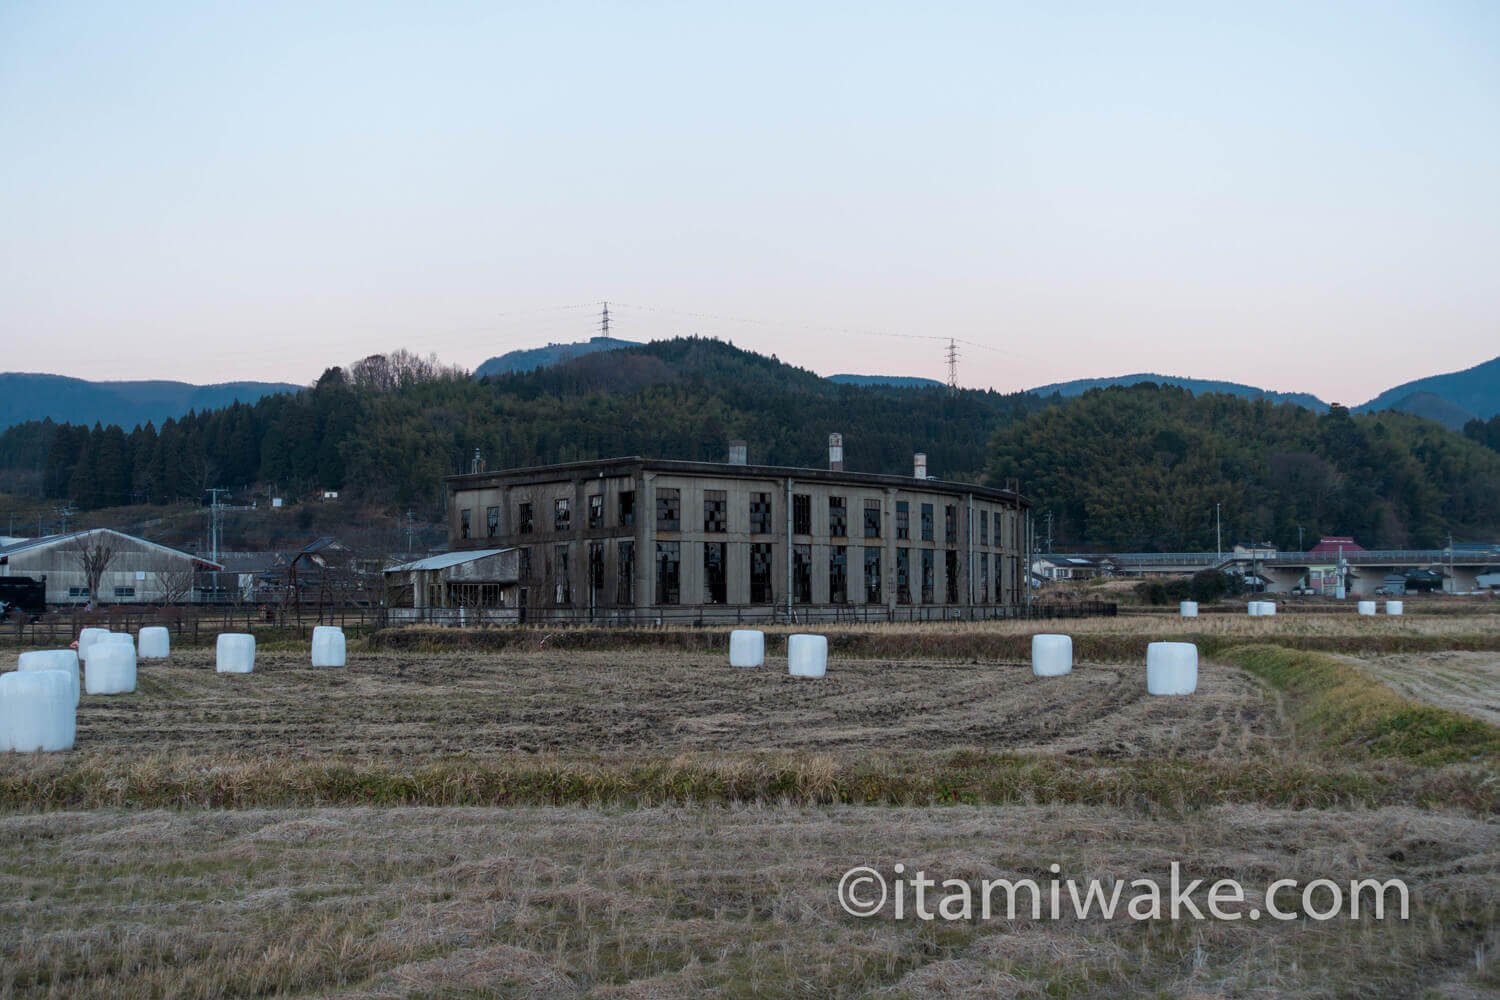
(126, 569)
(1066, 567)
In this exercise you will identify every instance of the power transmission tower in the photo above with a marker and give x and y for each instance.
(1049, 531)
(604, 322)
(213, 532)
(952, 364)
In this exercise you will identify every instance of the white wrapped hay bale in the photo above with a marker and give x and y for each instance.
(53, 659)
(807, 655)
(747, 648)
(1253, 608)
(153, 643)
(1268, 608)
(1188, 609)
(1051, 655)
(328, 646)
(235, 653)
(110, 669)
(37, 711)
(124, 637)
(86, 639)
(1394, 607)
(1171, 668)
(1367, 607)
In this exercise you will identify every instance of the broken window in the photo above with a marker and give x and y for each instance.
(950, 575)
(562, 513)
(492, 521)
(523, 519)
(563, 576)
(838, 518)
(872, 576)
(760, 513)
(715, 506)
(801, 514)
(838, 574)
(668, 572)
(625, 574)
(872, 518)
(463, 523)
(596, 574)
(627, 508)
(984, 527)
(929, 574)
(596, 510)
(802, 574)
(984, 579)
(903, 576)
(523, 564)
(668, 510)
(761, 576)
(950, 523)
(903, 519)
(714, 588)
(927, 522)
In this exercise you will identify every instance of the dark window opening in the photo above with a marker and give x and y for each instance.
(984, 527)
(801, 514)
(950, 576)
(492, 521)
(625, 574)
(927, 522)
(929, 578)
(668, 572)
(760, 513)
(715, 512)
(950, 523)
(562, 513)
(838, 518)
(984, 578)
(838, 575)
(872, 576)
(761, 577)
(596, 574)
(802, 574)
(596, 510)
(523, 564)
(668, 510)
(523, 519)
(903, 576)
(627, 508)
(872, 518)
(903, 519)
(715, 590)
(563, 575)
(463, 523)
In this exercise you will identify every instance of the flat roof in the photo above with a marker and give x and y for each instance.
(629, 464)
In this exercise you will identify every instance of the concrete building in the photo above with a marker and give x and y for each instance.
(635, 539)
(137, 572)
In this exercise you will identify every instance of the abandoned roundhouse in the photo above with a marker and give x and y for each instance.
(635, 539)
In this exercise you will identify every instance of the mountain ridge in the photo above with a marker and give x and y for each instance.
(127, 402)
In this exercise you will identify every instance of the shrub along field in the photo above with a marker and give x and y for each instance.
(587, 813)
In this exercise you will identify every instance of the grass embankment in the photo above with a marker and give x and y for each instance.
(1349, 712)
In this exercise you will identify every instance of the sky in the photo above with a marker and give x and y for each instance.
(1300, 196)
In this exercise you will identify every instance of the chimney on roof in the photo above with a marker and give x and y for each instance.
(919, 465)
(738, 454)
(835, 453)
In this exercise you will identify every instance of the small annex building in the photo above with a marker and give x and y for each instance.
(465, 586)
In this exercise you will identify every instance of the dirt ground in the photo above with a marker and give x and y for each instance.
(418, 705)
(695, 902)
(1463, 681)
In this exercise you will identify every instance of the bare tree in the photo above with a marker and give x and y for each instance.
(93, 552)
(176, 583)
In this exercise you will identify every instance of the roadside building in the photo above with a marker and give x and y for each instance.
(134, 570)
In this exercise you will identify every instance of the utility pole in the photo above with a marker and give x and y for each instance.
(409, 530)
(1218, 532)
(213, 531)
(1049, 532)
(1299, 539)
(952, 364)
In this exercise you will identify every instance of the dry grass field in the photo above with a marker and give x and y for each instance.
(384, 829)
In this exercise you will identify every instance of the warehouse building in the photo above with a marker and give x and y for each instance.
(634, 539)
(128, 569)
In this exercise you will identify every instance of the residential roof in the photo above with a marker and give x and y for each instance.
(1335, 544)
(48, 541)
(445, 560)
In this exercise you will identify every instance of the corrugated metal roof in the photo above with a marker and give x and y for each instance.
(446, 559)
(50, 540)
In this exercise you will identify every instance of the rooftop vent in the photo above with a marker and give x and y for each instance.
(738, 454)
(836, 452)
(919, 465)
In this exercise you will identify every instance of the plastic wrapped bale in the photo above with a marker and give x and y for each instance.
(1188, 609)
(110, 669)
(1394, 607)
(153, 643)
(328, 646)
(747, 648)
(1268, 608)
(37, 711)
(87, 638)
(1051, 655)
(122, 637)
(53, 659)
(1171, 668)
(1367, 607)
(807, 655)
(1253, 608)
(235, 653)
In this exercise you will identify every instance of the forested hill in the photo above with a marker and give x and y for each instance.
(390, 427)
(1141, 468)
